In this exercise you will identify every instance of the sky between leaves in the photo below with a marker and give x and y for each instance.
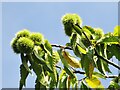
(46, 19)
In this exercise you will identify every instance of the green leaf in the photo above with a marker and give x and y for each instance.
(41, 61)
(55, 57)
(40, 74)
(84, 86)
(77, 52)
(109, 53)
(77, 29)
(69, 72)
(24, 62)
(101, 64)
(80, 49)
(62, 79)
(87, 63)
(89, 29)
(48, 46)
(39, 51)
(73, 39)
(68, 44)
(39, 86)
(114, 50)
(98, 75)
(74, 82)
(116, 31)
(63, 83)
(23, 74)
(109, 40)
(114, 85)
(62, 58)
(54, 74)
(81, 44)
(62, 74)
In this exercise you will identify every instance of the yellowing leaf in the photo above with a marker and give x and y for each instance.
(91, 69)
(117, 31)
(71, 60)
(93, 82)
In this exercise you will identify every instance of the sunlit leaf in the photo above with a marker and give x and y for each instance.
(63, 72)
(81, 49)
(109, 40)
(116, 31)
(99, 75)
(48, 46)
(93, 82)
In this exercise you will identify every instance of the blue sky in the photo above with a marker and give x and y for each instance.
(46, 19)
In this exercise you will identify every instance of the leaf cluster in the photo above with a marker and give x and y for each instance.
(92, 49)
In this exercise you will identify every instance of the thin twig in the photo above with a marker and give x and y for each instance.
(111, 76)
(79, 72)
(60, 46)
(106, 60)
(58, 67)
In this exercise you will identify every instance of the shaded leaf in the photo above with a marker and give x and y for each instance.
(63, 83)
(23, 74)
(73, 39)
(39, 86)
(84, 86)
(87, 63)
(69, 72)
(77, 29)
(41, 61)
(114, 50)
(24, 62)
(114, 85)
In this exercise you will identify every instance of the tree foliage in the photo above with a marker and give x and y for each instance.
(92, 50)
